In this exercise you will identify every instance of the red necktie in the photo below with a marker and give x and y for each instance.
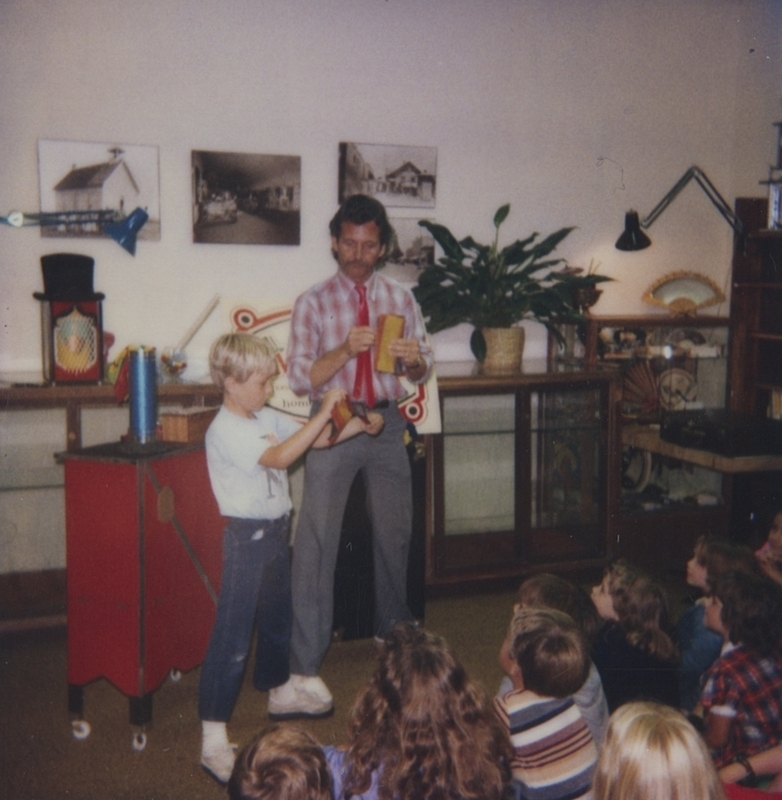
(363, 385)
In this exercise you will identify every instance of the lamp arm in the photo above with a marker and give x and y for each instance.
(711, 192)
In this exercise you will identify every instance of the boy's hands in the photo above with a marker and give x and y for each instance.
(374, 423)
(330, 399)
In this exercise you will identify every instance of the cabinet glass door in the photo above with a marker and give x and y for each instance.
(567, 455)
(479, 464)
(520, 479)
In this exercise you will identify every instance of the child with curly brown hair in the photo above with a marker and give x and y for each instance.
(420, 728)
(634, 653)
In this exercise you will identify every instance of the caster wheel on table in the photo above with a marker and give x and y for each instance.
(139, 741)
(81, 729)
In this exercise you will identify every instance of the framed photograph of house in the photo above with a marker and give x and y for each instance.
(91, 176)
(246, 198)
(397, 175)
(412, 248)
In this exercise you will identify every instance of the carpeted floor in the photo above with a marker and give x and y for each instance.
(39, 757)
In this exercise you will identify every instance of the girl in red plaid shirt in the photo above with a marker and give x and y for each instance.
(742, 692)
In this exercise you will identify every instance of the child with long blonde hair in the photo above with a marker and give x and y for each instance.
(652, 752)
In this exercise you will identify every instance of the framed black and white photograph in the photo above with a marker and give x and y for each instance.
(397, 175)
(411, 250)
(246, 198)
(98, 176)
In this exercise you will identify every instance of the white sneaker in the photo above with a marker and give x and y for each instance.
(219, 763)
(312, 684)
(290, 702)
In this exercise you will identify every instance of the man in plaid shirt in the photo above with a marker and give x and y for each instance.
(333, 332)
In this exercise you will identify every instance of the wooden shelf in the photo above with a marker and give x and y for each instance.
(74, 397)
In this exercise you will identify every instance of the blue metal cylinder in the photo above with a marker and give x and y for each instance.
(143, 395)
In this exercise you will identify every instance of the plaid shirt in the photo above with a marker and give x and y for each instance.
(747, 688)
(322, 318)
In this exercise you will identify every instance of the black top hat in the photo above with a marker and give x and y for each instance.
(67, 276)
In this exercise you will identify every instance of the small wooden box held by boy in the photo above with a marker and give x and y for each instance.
(555, 753)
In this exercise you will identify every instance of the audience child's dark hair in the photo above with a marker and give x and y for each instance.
(551, 651)
(547, 590)
(641, 605)
(751, 610)
(720, 556)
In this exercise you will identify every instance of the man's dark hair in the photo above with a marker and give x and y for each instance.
(360, 209)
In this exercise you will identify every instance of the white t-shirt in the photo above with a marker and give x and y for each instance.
(234, 445)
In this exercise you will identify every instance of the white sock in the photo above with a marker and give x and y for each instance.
(214, 736)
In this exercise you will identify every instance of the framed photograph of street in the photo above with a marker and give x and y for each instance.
(412, 248)
(246, 198)
(397, 175)
(91, 176)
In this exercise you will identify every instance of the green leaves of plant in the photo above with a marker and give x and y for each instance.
(494, 288)
(500, 215)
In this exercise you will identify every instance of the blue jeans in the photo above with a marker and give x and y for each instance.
(255, 592)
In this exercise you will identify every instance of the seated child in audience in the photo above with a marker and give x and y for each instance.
(699, 646)
(551, 591)
(769, 556)
(420, 728)
(283, 762)
(555, 753)
(742, 690)
(652, 752)
(633, 653)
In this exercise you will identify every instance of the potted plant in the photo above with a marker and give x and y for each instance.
(494, 289)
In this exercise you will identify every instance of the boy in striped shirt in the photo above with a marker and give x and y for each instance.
(555, 753)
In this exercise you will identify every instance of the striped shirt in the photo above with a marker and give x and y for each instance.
(555, 753)
(322, 318)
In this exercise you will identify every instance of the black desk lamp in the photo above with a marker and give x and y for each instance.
(122, 229)
(634, 238)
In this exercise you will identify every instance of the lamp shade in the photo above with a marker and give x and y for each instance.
(633, 238)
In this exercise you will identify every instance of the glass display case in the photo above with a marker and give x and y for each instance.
(521, 472)
(664, 364)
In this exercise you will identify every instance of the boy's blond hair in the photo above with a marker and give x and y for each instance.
(283, 762)
(550, 650)
(239, 355)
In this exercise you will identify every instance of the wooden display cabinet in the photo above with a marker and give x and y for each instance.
(523, 473)
(664, 363)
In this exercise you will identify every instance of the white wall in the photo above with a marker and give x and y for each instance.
(571, 110)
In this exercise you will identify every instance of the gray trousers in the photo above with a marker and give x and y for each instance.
(328, 476)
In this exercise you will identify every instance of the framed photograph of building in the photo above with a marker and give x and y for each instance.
(397, 175)
(411, 250)
(246, 198)
(93, 176)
